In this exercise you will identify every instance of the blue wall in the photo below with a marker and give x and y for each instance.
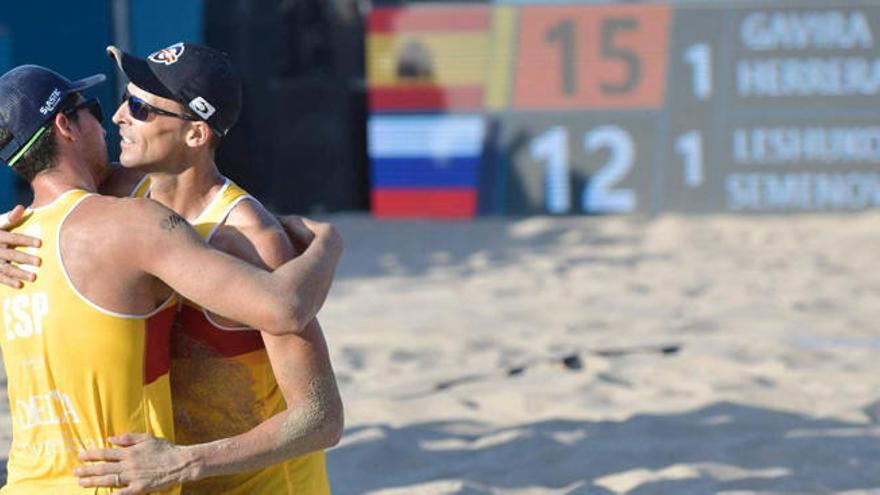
(158, 23)
(71, 37)
(68, 37)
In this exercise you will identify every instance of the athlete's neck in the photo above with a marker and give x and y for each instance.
(63, 177)
(188, 192)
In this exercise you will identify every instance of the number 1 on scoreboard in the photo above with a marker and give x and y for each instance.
(551, 147)
(690, 146)
(699, 56)
(563, 33)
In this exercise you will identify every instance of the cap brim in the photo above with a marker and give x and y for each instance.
(87, 82)
(138, 72)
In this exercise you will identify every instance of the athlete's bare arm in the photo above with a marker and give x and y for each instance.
(301, 364)
(141, 240)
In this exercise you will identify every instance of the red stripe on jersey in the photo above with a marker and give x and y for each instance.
(158, 341)
(229, 343)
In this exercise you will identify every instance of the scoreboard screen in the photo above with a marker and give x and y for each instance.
(583, 109)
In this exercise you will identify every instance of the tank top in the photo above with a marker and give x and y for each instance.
(77, 373)
(223, 385)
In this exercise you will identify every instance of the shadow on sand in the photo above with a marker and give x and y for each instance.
(726, 447)
(378, 248)
(769, 451)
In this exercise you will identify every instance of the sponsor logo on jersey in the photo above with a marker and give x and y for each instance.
(50, 408)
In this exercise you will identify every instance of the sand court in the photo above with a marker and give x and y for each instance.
(686, 355)
(606, 355)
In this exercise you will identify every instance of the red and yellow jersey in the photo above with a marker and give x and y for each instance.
(223, 385)
(77, 373)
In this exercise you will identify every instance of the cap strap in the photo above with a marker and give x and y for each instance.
(27, 146)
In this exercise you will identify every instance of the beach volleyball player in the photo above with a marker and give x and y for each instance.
(275, 396)
(85, 343)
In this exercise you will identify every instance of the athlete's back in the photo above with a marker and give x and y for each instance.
(77, 373)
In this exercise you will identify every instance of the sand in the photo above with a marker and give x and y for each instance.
(607, 355)
(599, 355)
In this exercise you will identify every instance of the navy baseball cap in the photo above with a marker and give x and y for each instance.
(30, 96)
(199, 77)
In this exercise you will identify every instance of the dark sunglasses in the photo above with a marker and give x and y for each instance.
(92, 105)
(141, 110)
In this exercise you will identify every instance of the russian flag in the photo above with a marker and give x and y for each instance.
(425, 166)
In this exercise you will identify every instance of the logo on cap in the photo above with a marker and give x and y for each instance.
(51, 102)
(168, 55)
(202, 107)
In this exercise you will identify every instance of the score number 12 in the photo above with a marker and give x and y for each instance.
(599, 194)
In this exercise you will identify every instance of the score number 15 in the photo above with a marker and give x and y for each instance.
(564, 34)
(588, 57)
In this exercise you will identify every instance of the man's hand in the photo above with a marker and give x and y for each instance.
(9, 274)
(144, 464)
(302, 231)
(298, 231)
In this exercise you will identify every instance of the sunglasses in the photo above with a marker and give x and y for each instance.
(141, 110)
(92, 105)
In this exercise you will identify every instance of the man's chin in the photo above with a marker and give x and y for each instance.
(127, 162)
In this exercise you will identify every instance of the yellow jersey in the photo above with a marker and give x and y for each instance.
(77, 373)
(222, 383)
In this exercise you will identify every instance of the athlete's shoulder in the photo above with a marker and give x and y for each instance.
(121, 181)
(122, 206)
(104, 206)
(121, 229)
(250, 214)
(108, 214)
(252, 233)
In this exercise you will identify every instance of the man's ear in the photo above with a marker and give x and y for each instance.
(63, 126)
(199, 134)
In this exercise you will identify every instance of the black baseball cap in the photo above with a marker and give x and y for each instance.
(199, 77)
(30, 96)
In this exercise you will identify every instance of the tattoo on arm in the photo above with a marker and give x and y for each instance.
(172, 222)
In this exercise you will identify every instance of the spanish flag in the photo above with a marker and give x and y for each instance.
(428, 59)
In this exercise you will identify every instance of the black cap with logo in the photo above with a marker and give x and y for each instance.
(30, 96)
(199, 77)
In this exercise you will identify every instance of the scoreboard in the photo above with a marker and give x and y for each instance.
(582, 109)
